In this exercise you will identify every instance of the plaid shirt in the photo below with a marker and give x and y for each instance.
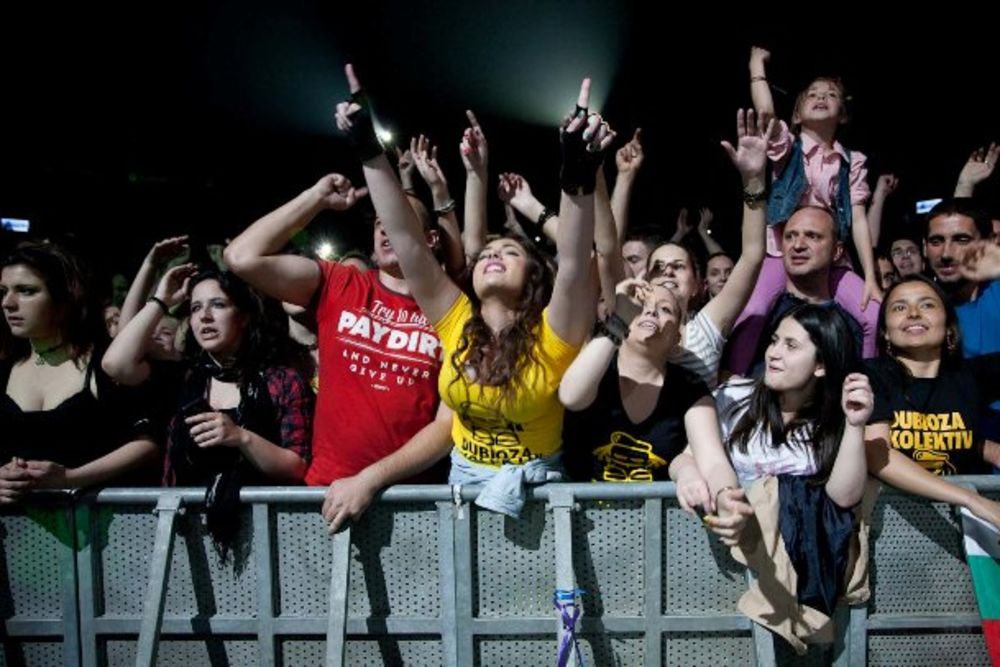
(294, 404)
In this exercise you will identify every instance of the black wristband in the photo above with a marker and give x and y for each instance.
(751, 198)
(614, 328)
(544, 216)
(159, 302)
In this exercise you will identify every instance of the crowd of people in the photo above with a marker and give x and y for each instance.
(582, 343)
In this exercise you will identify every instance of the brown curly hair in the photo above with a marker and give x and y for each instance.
(500, 359)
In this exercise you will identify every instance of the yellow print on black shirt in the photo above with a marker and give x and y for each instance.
(928, 438)
(626, 459)
(495, 439)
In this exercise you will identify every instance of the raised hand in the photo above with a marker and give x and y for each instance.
(585, 138)
(980, 165)
(886, 185)
(425, 157)
(750, 154)
(337, 192)
(629, 157)
(173, 286)
(981, 261)
(705, 218)
(354, 119)
(473, 148)
(163, 251)
(506, 187)
(683, 224)
(406, 166)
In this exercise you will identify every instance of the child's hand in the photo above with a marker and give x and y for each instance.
(758, 59)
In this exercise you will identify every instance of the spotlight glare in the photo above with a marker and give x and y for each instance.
(324, 250)
(385, 136)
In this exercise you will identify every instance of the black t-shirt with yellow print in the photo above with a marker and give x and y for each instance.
(602, 444)
(935, 421)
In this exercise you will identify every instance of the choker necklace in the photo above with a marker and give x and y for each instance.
(40, 361)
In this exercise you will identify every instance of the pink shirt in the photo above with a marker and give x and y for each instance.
(822, 169)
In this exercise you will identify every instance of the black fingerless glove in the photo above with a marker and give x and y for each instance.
(578, 174)
(361, 136)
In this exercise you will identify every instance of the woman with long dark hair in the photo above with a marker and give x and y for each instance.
(237, 415)
(928, 399)
(806, 416)
(63, 424)
(796, 440)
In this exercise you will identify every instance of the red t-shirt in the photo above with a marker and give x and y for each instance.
(378, 365)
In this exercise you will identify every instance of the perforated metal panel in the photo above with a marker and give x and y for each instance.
(394, 568)
(608, 557)
(943, 650)
(685, 649)
(699, 574)
(178, 653)
(294, 652)
(124, 548)
(200, 584)
(817, 656)
(918, 562)
(617, 649)
(31, 545)
(402, 650)
(302, 561)
(32, 654)
(514, 563)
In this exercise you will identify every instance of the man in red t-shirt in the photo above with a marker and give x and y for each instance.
(378, 355)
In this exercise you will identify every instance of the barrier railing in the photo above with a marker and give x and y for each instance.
(130, 576)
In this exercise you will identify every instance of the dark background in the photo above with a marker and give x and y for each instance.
(121, 127)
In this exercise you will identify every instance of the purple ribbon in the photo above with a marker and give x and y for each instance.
(565, 602)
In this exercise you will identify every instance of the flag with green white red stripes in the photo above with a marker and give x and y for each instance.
(982, 550)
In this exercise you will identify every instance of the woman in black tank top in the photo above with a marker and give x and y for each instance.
(63, 424)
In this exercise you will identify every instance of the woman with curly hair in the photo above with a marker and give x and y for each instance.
(508, 343)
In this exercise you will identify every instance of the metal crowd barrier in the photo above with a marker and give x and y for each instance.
(130, 577)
